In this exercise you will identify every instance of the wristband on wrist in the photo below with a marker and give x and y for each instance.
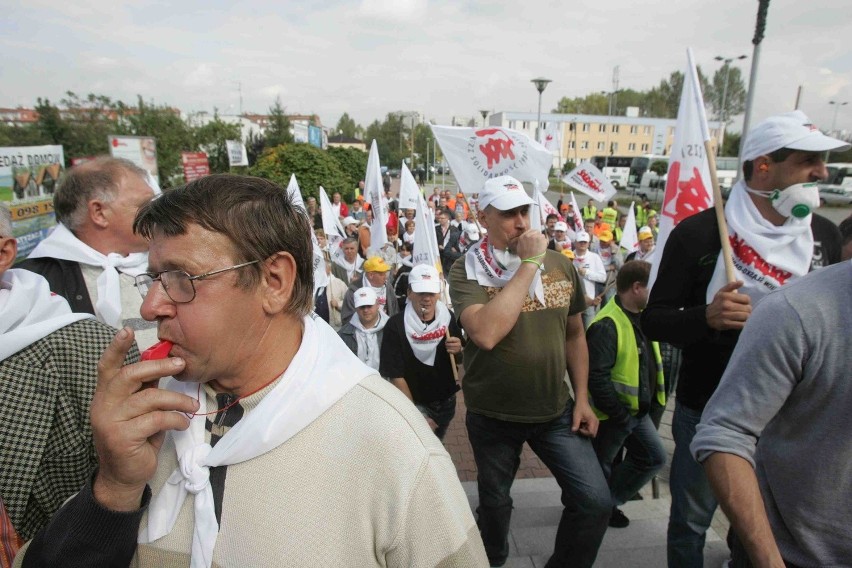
(533, 260)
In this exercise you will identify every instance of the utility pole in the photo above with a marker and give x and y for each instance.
(759, 29)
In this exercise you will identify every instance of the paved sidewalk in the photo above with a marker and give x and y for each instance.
(537, 510)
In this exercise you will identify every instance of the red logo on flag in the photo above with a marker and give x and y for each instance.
(684, 198)
(496, 148)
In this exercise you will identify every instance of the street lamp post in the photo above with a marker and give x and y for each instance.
(723, 111)
(837, 106)
(540, 85)
(484, 114)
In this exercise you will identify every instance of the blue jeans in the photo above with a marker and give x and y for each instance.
(497, 448)
(442, 412)
(693, 502)
(645, 455)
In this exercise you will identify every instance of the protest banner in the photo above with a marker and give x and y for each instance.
(334, 233)
(408, 189)
(575, 222)
(141, 150)
(320, 275)
(551, 137)
(478, 154)
(425, 250)
(195, 165)
(374, 194)
(629, 236)
(591, 181)
(545, 208)
(28, 178)
(688, 184)
(237, 155)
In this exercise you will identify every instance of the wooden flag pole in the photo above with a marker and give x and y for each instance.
(447, 334)
(727, 254)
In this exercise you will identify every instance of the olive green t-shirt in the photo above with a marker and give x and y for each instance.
(522, 378)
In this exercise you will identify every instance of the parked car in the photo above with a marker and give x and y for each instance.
(834, 194)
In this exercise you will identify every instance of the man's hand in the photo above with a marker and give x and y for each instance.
(585, 421)
(129, 419)
(582, 271)
(531, 244)
(728, 310)
(453, 345)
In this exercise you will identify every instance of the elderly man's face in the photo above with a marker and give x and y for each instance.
(376, 279)
(131, 194)
(645, 245)
(219, 332)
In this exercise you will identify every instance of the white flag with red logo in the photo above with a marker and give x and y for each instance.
(591, 181)
(478, 154)
(629, 236)
(374, 194)
(320, 276)
(576, 220)
(408, 189)
(688, 187)
(550, 137)
(545, 208)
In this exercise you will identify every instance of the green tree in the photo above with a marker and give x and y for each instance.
(278, 131)
(172, 133)
(347, 127)
(659, 167)
(313, 167)
(731, 144)
(392, 137)
(423, 144)
(28, 135)
(734, 96)
(353, 163)
(212, 137)
(594, 103)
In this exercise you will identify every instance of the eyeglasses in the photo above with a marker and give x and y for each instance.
(179, 285)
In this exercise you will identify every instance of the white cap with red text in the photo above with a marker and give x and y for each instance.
(503, 193)
(424, 278)
(792, 130)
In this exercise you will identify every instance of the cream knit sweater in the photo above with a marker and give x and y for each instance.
(366, 484)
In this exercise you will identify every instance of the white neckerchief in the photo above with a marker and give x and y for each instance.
(368, 339)
(445, 234)
(381, 295)
(408, 238)
(765, 256)
(480, 265)
(350, 267)
(29, 311)
(62, 244)
(424, 339)
(312, 383)
(646, 256)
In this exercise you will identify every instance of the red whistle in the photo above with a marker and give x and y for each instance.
(159, 350)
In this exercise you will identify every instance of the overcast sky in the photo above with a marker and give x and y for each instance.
(443, 58)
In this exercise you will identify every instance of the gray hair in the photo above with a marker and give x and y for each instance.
(5, 221)
(96, 179)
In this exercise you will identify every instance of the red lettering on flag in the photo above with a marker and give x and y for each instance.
(750, 256)
(496, 148)
(684, 198)
(590, 181)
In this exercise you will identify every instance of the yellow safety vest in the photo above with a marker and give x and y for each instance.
(589, 212)
(625, 372)
(610, 216)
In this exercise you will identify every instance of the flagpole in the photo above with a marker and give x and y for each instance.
(447, 331)
(727, 254)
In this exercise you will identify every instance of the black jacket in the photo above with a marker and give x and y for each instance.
(65, 279)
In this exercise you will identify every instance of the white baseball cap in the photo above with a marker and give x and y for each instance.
(365, 297)
(503, 193)
(424, 278)
(349, 221)
(792, 130)
(645, 233)
(582, 237)
(560, 226)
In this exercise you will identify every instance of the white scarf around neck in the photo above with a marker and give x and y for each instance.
(765, 256)
(312, 383)
(350, 267)
(62, 244)
(367, 340)
(480, 265)
(425, 338)
(29, 311)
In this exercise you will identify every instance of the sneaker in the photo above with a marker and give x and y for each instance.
(617, 519)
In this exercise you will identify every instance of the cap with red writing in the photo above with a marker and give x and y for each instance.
(365, 297)
(792, 130)
(424, 278)
(503, 193)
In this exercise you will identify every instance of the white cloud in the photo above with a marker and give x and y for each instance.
(394, 10)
